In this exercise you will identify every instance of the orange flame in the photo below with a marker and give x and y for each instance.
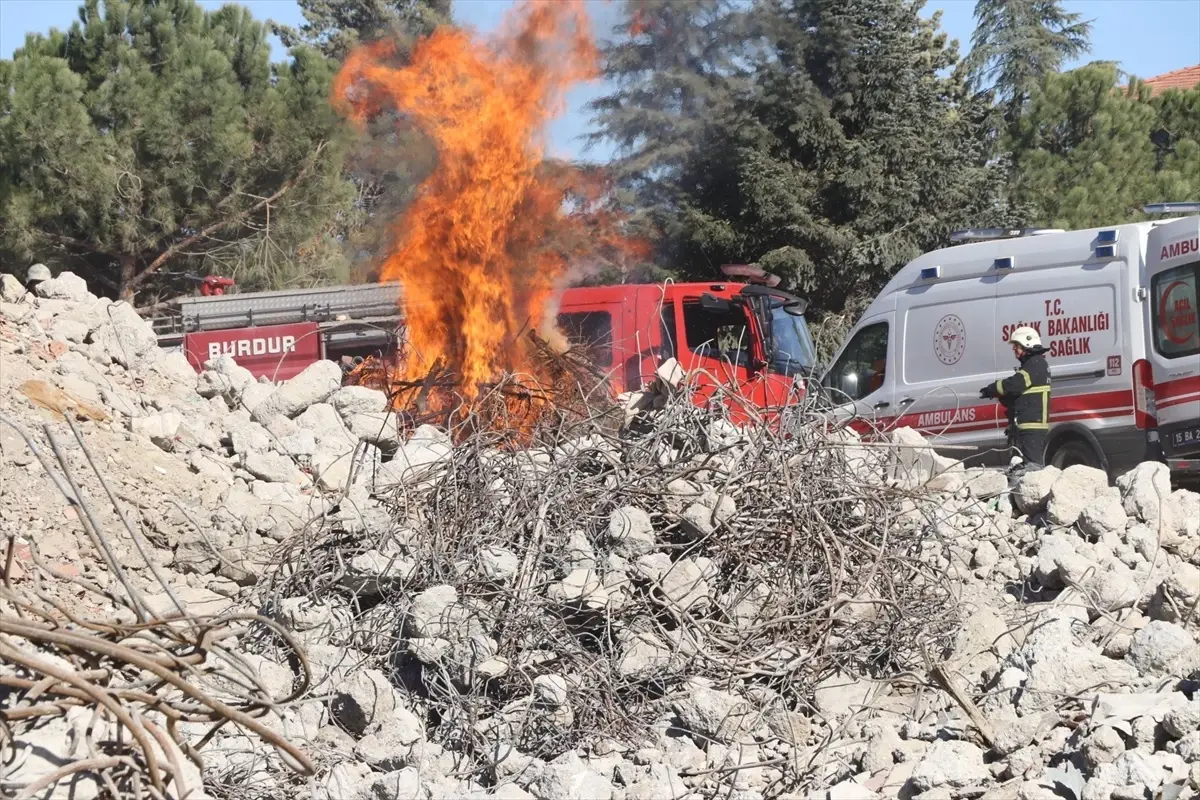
(487, 239)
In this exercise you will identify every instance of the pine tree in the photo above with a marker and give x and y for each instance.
(676, 67)
(1088, 153)
(852, 155)
(1018, 43)
(336, 26)
(156, 138)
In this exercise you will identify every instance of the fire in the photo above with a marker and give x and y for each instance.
(489, 238)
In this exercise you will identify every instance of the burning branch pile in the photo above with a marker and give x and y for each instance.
(496, 229)
(544, 599)
(570, 390)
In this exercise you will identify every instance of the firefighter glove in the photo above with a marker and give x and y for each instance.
(988, 391)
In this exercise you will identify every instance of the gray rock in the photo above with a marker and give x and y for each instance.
(1185, 509)
(222, 376)
(569, 778)
(1147, 491)
(1024, 732)
(1056, 666)
(1059, 562)
(437, 613)
(643, 655)
(661, 783)
(700, 519)
(916, 463)
(275, 468)
(343, 471)
(74, 331)
(1183, 720)
(580, 587)
(301, 444)
(1102, 746)
(351, 400)
(250, 437)
(985, 555)
(389, 740)
(1103, 518)
(124, 337)
(950, 764)
(11, 289)
(498, 564)
(986, 483)
(254, 395)
(630, 529)
(1162, 647)
(327, 427)
(416, 459)
(550, 690)
(839, 695)
(315, 384)
(685, 587)
(1033, 489)
(402, 784)
(159, 428)
(378, 428)
(374, 570)
(713, 714)
(1074, 490)
(65, 286)
(363, 697)
(1114, 587)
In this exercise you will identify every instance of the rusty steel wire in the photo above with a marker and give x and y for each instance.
(821, 568)
(148, 680)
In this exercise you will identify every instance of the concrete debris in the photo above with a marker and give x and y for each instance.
(642, 633)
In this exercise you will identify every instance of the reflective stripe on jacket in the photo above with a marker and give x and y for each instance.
(1026, 393)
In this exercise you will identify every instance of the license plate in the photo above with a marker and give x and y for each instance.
(1185, 439)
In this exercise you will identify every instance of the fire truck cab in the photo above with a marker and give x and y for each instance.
(744, 341)
(938, 332)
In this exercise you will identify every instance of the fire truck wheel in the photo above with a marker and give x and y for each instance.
(1071, 451)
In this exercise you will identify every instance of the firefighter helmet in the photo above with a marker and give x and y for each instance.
(1025, 336)
(38, 272)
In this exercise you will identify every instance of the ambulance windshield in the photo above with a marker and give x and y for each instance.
(794, 351)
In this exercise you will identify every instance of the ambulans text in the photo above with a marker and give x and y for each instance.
(1181, 248)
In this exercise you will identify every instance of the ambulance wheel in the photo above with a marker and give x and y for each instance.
(1070, 452)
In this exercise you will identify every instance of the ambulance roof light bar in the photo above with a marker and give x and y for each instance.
(1171, 208)
(986, 234)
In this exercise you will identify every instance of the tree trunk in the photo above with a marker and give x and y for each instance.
(125, 288)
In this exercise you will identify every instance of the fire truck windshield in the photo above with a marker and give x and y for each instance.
(794, 350)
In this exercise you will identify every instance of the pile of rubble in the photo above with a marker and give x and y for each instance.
(685, 610)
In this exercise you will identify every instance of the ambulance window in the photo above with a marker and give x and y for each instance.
(860, 369)
(716, 334)
(590, 331)
(1176, 326)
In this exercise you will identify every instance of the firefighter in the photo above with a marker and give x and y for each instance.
(1025, 396)
(37, 273)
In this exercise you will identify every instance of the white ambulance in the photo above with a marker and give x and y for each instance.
(938, 333)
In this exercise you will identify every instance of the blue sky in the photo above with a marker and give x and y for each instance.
(1146, 37)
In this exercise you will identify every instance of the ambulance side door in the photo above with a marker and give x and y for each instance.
(948, 353)
(1173, 334)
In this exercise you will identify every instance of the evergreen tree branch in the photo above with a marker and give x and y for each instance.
(233, 219)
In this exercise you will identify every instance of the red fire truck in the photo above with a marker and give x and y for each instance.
(746, 335)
